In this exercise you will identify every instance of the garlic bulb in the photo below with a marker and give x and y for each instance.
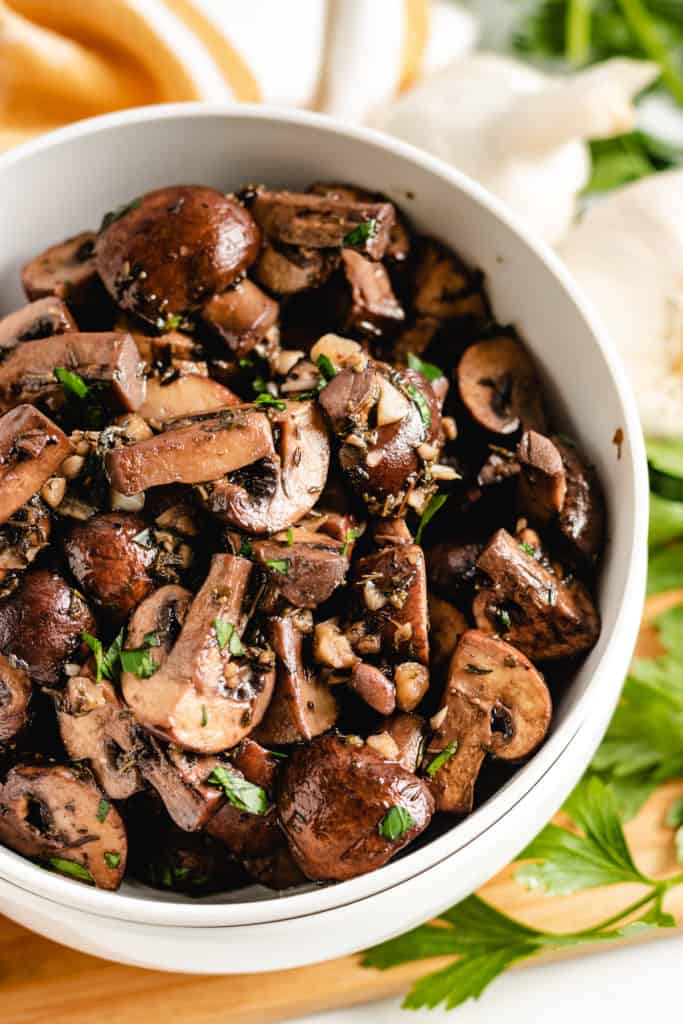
(627, 254)
(519, 132)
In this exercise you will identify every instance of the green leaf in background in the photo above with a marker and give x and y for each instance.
(666, 520)
(665, 569)
(674, 819)
(628, 158)
(665, 459)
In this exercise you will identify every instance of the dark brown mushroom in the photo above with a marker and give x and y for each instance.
(451, 566)
(386, 533)
(445, 288)
(290, 269)
(389, 424)
(112, 558)
(67, 271)
(542, 480)
(407, 732)
(373, 686)
(184, 395)
(543, 615)
(210, 691)
(277, 871)
(582, 518)
(495, 702)
(399, 245)
(391, 596)
(499, 386)
(447, 625)
(279, 489)
(240, 317)
(53, 814)
(193, 450)
(338, 803)
(319, 222)
(32, 448)
(366, 303)
(22, 538)
(302, 705)
(303, 567)
(40, 319)
(181, 780)
(246, 835)
(42, 624)
(256, 763)
(170, 249)
(107, 361)
(15, 694)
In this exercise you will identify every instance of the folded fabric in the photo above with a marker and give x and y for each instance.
(62, 61)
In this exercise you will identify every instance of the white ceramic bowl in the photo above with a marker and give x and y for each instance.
(63, 183)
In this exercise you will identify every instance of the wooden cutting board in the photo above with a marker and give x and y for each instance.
(41, 981)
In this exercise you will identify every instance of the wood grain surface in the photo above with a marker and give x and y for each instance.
(42, 982)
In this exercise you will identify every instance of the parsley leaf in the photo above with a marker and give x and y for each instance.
(441, 758)
(349, 538)
(428, 370)
(665, 569)
(103, 809)
(118, 212)
(600, 856)
(361, 234)
(280, 565)
(106, 663)
(395, 823)
(240, 793)
(666, 520)
(112, 860)
(72, 869)
(436, 502)
(227, 636)
(674, 819)
(72, 384)
(421, 402)
(265, 398)
(326, 367)
(139, 662)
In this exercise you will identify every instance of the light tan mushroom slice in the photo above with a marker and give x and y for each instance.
(40, 319)
(15, 693)
(32, 448)
(407, 732)
(495, 702)
(207, 694)
(53, 814)
(302, 706)
(107, 359)
(209, 446)
(180, 781)
(184, 396)
(391, 592)
(284, 487)
(542, 479)
(499, 386)
(544, 616)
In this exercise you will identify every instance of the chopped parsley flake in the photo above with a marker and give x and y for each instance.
(72, 384)
(362, 233)
(241, 793)
(441, 758)
(395, 823)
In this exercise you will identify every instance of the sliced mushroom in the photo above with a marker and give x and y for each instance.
(368, 303)
(289, 269)
(399, 246)
(499, 386)
(240, 317)
(185, 395)
(582, 518)
(40, 319)
(67, 271)
(195, 450)
(303, 568)
(542, 481)
(256, 763)
(32, 448)
(407, 732)
(112, 558)
(447, 626)
(302, 705)
(373, 686)
(246, 835)
(544, 616)
(53, 814)
(386, 420)
(180, 779)
(415, 338)
(277, 871)
(495, 702)
(391, 594)
(22, 538)
(15, 694)
(319, 222)
(278, 490)
(387, 533)
(337, 802)
(107, 361)
(210, 691)
(446, 288)
(96, 728)
(42, 624)
(170, 249)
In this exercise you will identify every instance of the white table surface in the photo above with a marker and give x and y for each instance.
(624, 986)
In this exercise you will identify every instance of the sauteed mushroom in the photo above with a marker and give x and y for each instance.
(15, 693)
(67, 271)
(32, 448)
(499, 387)
(40, 319)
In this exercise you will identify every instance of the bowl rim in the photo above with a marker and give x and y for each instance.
(607, 677)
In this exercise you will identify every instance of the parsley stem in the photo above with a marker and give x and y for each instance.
(626, 912)
(648, 35)
(578, 31)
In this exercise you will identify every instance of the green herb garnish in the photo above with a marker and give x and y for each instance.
(290, 536)
(477, 670)
(503, 619)
(421, 402)
(265, 398)
(361, 234)
(139, 663)
(441, 758)
(106, 662)
(143, 539)
(73, 385)
(527, 549)
(205, 717)
(112, 860)
(119, 212)
(280, 565)
(349, 537)
(246, 550)
(227, 636)
(72, 869)
(436, 502)
(103, 809)
(429, 371)
(170, 323)
(241, 794)
(395, 823)
(326, 367)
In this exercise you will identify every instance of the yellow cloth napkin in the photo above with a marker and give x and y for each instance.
(62, 60)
